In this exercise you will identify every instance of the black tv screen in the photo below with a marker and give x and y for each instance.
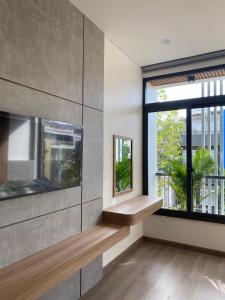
(38, 155)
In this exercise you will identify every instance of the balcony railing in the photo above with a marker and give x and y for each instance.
(211, 194)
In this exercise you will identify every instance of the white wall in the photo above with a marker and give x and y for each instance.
(197, 233)
(122, 116)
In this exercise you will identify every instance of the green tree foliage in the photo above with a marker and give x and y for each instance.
(202, 165)
(162, 95)
(177, 171)
(171, 127)
(170, 130)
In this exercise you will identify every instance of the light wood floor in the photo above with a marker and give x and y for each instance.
(159, 272)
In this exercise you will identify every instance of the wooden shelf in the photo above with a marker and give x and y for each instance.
(132, 211)
(33, 276)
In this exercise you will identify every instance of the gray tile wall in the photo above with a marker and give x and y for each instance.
(92, 160)
(68, 290)
(30, 236)
(16, 210)
(93, 65)
(45, 38)
(91, 213)
(42, 74)
(93, 272)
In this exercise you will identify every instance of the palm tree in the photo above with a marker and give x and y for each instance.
(202, 165)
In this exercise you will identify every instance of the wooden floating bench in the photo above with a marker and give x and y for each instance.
(32, 276)
(132, 211)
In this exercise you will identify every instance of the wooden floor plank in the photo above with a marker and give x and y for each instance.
(159, 272)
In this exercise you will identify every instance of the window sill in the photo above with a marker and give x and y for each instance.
(191, 215)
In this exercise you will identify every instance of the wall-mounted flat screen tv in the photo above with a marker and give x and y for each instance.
(38, 155)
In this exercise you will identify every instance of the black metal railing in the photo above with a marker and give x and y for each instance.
(211, 194)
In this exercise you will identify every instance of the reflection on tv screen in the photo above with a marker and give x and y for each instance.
(38, 155)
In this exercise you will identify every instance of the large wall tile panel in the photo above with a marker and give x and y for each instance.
(21, 100)
(91, 275)
(25, 238)
(93, 65)
(42, 45)
(67, 290)
(20, 209)
(92, 154)
(91, 213)
(93, 272)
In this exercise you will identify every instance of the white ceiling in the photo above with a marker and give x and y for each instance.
(137, 26)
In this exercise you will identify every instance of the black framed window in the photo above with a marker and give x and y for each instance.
(183, 149)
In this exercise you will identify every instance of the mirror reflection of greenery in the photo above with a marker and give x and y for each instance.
(123, 175)
(66, 171)
(123, 166)
(71, 171)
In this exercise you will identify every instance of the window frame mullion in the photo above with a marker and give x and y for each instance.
(189, 159)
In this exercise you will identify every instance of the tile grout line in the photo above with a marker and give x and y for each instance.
(49, 94)
(43, 215)
(49, 213)
(81, 207)
(92, 200)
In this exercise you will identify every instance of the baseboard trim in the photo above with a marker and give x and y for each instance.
(184, 246)
(108, 268)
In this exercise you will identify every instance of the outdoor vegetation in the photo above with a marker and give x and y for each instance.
(175, 168)
(172, 158)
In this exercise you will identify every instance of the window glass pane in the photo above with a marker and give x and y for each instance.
(179, 92)
(167, 157)
(170, 93)
(184, 91)
(208, 160)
